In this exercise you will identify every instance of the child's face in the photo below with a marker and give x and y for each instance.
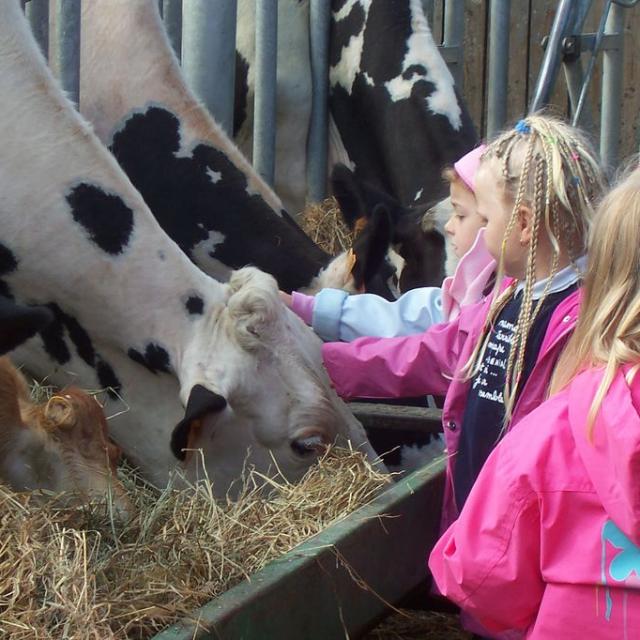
(494, 209)
(464, 224)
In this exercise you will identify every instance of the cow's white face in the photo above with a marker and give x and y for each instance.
(255, 391)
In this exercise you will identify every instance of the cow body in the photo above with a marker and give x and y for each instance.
(393, 99)
(132, 314)
(201, 189)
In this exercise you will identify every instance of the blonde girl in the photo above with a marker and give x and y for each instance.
(535, 188)
(554, 516)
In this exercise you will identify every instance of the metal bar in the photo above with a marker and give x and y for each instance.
(560, 29)
(68, 35)
(208, 55)
(592, 62)
(37, 11)
(611, 92)
(499, 16)
(453, 35)
(172, 16)
(319, 17)
(264, 124)
(393, 417)
(311, 592)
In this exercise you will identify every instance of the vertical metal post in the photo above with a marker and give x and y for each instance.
(499, 14)
(552, 56)
(611, 91)
(172, 16)
(319, 17)
(68, 28)
(209, 55)
(37, 12)
(264, 124)
(453, 33)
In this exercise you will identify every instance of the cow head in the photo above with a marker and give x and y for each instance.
(420, 246)
(255, 391)
(60, 445)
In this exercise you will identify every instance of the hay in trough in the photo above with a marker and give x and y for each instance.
(323, 223)
(79, 573)
(419, 625)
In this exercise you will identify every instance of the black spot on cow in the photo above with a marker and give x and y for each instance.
(386, 38)
(241, 93)
(343, 30)
(106, 218)
(417, 69)
(53, 338)
(162, 255)
(189, 204)
(108, 379)
(8, 263)
(194, 305)
(399, 146)
(155, 358)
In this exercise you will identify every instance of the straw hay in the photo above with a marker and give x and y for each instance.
(323, 223)
(78, 573)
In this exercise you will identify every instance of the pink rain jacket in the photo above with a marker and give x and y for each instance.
(430, 363)
(548, 542)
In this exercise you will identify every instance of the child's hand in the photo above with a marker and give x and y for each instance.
(286, 298)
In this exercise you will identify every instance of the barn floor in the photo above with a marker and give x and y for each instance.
(419, 625)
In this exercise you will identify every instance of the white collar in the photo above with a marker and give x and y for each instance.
(560, 281)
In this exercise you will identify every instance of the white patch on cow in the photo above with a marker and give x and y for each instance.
(337, 151)
(201, 254)
(215, 176)
(344, 73)
(368, 79)
(345, 10)
(422, 50)
(413, 457)
(418, 195)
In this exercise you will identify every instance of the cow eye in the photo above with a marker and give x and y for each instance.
(306, 447)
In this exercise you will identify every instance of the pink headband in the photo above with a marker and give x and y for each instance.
(467, 166)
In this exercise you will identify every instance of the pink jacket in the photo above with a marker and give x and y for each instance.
(430, 363)
(548, 541)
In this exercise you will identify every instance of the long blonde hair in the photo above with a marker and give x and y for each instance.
(550, 167)
(608, 329)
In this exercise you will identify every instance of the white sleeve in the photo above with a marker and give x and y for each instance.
(338, 316)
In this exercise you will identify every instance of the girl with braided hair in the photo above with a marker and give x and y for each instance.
(536, 188)
(554, 516)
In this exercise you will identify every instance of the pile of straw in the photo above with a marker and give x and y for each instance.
(79, 573)
(323, 223)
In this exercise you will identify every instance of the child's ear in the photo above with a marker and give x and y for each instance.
(524, 225)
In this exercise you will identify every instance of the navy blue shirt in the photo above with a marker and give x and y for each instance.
(484, 412)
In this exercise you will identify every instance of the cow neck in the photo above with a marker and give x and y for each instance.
(64, 237)
(153, 78)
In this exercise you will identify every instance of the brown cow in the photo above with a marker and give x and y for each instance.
(59, 445)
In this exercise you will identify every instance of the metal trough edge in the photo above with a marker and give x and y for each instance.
(316, 590)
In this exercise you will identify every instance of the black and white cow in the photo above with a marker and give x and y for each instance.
(396, 117)
(201, 189)
(393, 99)
(133, 315)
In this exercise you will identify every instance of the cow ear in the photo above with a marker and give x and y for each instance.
(348, 193)
(201, 402)
(18, 323)
(59, 413)
(371, 246)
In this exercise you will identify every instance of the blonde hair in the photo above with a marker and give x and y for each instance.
(451, 176)
(608, 329)
(550, 167)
